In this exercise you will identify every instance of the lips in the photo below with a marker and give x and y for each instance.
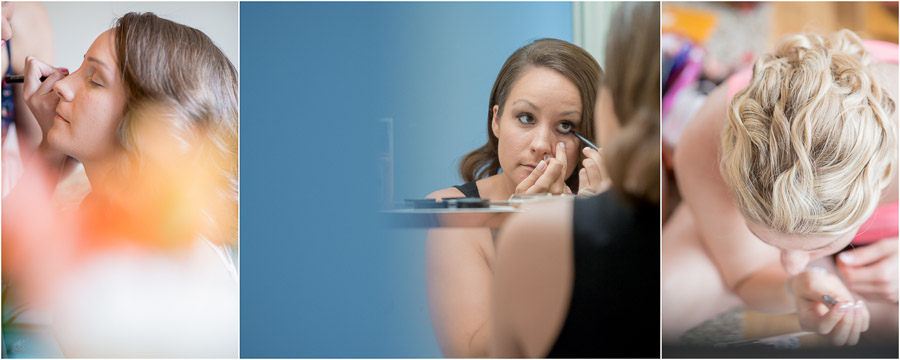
(62, 118)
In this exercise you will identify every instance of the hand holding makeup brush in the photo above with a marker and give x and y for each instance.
(593, 178)
(39, 96)
(842, 321)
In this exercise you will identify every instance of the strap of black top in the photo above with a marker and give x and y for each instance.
(469, 189)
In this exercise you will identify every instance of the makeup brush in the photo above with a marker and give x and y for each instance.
(13, 79)
(586, 141)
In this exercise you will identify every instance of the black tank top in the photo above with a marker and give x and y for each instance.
(614, 309)
(469, 189)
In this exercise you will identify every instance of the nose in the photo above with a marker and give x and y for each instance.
(63, 89)
(543, 141)
(794, 261)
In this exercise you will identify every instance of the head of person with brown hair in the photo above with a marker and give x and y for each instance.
(809, 145)
(544, 91)
(627, 116)
(152, 114)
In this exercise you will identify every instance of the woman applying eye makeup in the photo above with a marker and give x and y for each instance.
(141, 266)
(577, 278)
(543, 92)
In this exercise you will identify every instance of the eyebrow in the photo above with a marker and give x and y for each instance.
(533, 106)
(95, 60)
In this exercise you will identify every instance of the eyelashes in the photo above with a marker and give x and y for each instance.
(563, 127)
(525, 119)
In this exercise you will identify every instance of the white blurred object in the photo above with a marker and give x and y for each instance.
(12, 160)
(684, 107)
(134, 303)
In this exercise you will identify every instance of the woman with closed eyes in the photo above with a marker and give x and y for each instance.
(141, 266)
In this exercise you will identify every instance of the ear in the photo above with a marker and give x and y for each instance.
(495, 122)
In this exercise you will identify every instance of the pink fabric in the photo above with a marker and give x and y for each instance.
(881, 51)
(885, 221)
(739, 81)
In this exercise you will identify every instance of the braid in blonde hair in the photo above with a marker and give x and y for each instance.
(808, 146)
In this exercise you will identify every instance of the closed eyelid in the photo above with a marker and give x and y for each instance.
(828, 245)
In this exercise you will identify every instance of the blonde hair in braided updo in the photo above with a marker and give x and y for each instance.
(808, 146)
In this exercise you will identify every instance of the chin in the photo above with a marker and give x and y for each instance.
(53, 138)
(521, 177)
(58, 142)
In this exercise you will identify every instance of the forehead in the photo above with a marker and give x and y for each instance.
(103, 48)
(796, 241)
(546, 86)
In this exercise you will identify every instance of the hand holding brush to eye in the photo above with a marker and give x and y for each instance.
(38, 94)
(593, 178)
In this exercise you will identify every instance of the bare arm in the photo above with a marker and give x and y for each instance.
(458, 262)
(533, 280)
(748, 266)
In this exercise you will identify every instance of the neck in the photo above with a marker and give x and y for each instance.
(99, 173)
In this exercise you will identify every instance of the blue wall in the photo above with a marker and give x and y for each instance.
(321, 276)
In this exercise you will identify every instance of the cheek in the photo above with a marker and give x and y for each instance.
(100, 119)
(505, 145)
(514, 140)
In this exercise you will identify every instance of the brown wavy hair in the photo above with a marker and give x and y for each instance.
(632, 68)
(176, 79)
(566, 59)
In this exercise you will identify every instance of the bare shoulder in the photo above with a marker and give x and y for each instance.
(450, 247)
(701, 135)
(543, 231)
(545, 218)
(533, 279)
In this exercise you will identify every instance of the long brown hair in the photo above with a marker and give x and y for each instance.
(566, 59)
(177, 79)
(632, 68)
